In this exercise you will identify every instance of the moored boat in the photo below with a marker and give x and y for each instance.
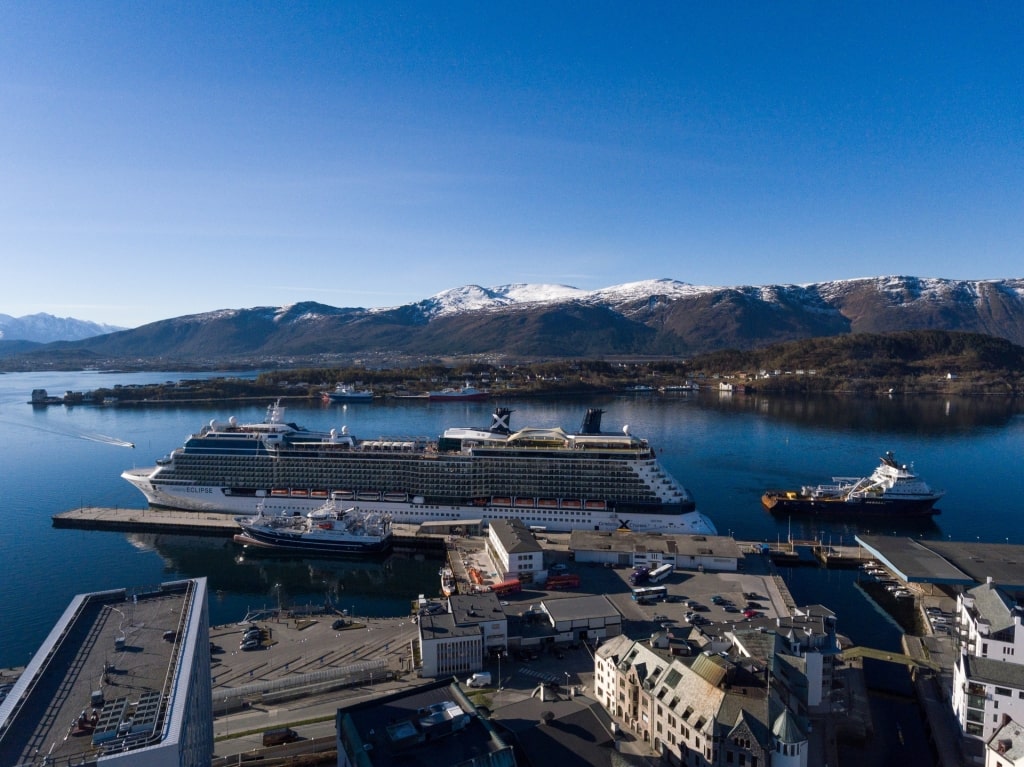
(892, 489)
(345, 393)
(448, 582)
(329, 529)
(545, 476)
(466, 394)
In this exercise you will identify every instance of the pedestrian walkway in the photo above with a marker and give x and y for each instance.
(543, 676)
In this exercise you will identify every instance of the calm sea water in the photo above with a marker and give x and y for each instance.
(727, 450)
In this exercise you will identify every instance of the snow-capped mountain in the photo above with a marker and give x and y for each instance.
(45, 328)
(656, 317)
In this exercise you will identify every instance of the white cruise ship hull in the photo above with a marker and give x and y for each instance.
(220, 500)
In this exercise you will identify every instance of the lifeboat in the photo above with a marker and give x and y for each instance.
(595, 505)
(279, 492)
(499, 500)
(571, 503)
(317, 493)
(526, 503)
(300, 493)
(396, 497)
(547, 503)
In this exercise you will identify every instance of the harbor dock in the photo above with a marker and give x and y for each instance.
(151, 520)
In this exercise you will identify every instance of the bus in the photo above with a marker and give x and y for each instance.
(658, 574)
(511, 586)
(650, 592)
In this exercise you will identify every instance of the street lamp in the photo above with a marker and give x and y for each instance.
(567, 681)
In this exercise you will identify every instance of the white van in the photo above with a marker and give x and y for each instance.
(479, 679)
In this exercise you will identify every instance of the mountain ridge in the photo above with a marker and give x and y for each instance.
(648, 317)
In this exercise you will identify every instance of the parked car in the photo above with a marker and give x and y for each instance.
(279, 736)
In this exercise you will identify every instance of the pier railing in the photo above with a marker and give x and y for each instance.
(352, 674)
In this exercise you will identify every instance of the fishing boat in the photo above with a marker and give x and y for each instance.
(892, 490)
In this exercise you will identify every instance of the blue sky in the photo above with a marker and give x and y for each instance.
(167, 158)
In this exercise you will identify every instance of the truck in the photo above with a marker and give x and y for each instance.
(639, 576)
(479, 679)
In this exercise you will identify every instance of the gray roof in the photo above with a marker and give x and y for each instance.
(949, 562)
(443, 626)
(786, 729)
(145, 637)
(664, 543)
(470, 609)
(575, 733)
(995, 672)
(394, 730)
(1008, 742)
(914, 561)
(993, 606)
(581, 608)
(514, 536)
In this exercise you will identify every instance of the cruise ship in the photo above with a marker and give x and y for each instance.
(546, 477)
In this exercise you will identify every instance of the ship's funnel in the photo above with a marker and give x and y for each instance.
(500, 420)
(592, 421)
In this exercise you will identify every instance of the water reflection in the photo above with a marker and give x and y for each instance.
(244, 578)
(925, 414)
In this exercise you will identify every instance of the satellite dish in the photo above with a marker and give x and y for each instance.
(625, 429)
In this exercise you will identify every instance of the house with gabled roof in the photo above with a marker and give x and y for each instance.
(711, 708)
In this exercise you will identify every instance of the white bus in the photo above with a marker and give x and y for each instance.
(650, 592)
(658, 574)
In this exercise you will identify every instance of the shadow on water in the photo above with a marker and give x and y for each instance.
(241, 578)
(900, 738)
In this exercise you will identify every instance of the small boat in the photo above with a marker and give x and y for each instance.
(448, 583)
(892, 489)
